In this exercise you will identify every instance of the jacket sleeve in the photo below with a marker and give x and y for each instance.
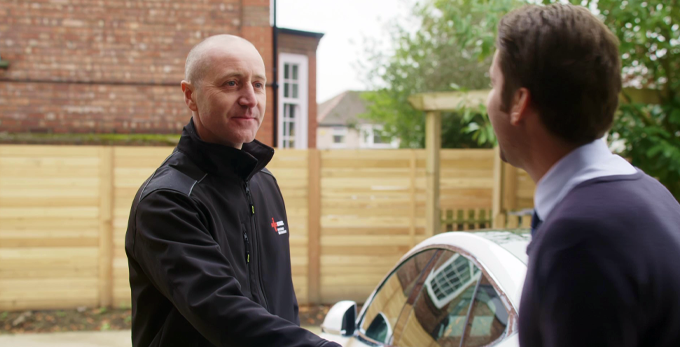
(173, 247)
(585, 291)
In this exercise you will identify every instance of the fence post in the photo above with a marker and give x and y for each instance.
(497, 208)
(526, 221)
(509, 187)
(412, 191)
(105, 226)
(433, 144)
(314, 227)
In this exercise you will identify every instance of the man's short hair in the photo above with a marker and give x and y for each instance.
(195, 67)
(569, 61)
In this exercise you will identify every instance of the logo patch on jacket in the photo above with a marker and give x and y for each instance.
(279, 227)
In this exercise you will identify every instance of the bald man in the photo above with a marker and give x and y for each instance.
(208, 238)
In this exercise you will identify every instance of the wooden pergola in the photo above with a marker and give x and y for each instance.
(433, 104)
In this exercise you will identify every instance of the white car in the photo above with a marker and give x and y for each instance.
(453, 289)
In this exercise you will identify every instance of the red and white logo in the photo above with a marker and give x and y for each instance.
(279, 227)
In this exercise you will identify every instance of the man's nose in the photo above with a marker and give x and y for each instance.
(247, 97)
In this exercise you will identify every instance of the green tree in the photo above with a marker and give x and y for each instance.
(646, 133)
(450, 49)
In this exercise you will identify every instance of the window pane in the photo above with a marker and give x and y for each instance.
(287, 110)
(295, 90)
(295, 72)
(288, 128)
(440, 310)
(384, 310)
(366, 135)
(286, 131)
(377, 139)
(285, 70)
(292, 112)
(291, 143)
(285, 90)
(377, 136)
(488, 317)
(338, 139)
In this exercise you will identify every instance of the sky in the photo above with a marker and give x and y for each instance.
(345, 23)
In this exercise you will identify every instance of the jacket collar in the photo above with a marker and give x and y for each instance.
(222, 160)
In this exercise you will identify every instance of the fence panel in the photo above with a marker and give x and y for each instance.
(352, 214)
(49, 226)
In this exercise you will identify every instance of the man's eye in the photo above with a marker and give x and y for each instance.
(230, 83)
(258, 85)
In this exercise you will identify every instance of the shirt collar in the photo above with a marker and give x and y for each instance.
(583, 163)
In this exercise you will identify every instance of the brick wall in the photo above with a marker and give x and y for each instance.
(298, 44)
(111, 66)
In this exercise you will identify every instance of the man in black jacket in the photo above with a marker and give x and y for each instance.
(207, 239)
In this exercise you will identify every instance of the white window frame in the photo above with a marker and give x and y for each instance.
(339, 131)
(370, 129)
(450, 295)
(302, 119)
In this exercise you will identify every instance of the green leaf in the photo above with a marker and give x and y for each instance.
(482, 137)
(675, 116)
(472, 127)
(652, 152)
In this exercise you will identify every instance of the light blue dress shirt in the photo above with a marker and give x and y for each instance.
(589, 161)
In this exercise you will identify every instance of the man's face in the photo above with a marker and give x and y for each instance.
(500, 120)
(230, 96)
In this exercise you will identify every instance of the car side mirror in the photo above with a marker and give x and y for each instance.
(341, 319)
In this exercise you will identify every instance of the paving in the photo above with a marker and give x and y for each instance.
(78, 339)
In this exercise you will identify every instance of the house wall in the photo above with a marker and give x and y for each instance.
(325, 139)
(353, 140)
(115, 66)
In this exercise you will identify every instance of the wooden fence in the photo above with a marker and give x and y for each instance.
(352, 214)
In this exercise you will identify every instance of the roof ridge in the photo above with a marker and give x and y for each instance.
(331, 104)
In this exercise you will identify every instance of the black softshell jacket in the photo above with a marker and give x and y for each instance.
(208, 250)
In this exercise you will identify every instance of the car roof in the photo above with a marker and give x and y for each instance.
(514, 241)
(497, 251)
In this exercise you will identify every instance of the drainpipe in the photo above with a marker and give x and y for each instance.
(275, 84)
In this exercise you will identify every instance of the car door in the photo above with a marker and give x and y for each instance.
(457, 305)
(436, 298)
(383, 309)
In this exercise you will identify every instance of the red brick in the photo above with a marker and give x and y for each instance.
(98, 52)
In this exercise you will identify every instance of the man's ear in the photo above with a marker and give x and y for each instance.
(188, 90)
(519, 106)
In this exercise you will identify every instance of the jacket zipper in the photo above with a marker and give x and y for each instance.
(247, 244)
(254, 224)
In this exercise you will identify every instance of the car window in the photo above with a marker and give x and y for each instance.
(440, 310)
(488, 317)
(384, 310)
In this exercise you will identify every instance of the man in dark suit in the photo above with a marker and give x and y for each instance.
(603, 262)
